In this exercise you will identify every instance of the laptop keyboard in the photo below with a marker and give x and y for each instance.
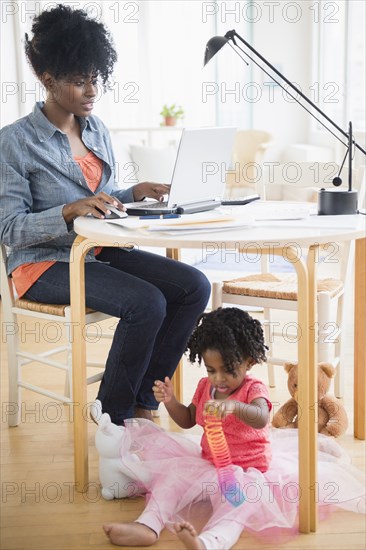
(155, 204)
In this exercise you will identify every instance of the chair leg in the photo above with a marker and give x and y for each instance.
(339, 380)
(271, 375)
(68, 377)
(339, 377)
(69, 337)
(13, 407)
(324, 323)
(329, 339)
(216, 294)
(268, 339)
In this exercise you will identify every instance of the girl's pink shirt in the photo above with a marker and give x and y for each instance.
(249, 447)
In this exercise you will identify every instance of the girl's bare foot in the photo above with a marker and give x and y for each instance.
(130, 534)
(188, 535)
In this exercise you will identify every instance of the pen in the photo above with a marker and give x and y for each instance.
(160, 217)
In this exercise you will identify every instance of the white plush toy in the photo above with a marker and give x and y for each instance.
(112, 440)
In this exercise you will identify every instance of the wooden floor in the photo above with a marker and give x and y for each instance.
(40, 508)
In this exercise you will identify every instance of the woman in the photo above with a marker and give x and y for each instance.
(57, 164)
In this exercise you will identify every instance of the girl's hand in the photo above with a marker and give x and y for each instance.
(219, 409)
(150, 190)
(163, 391)
(96, 205)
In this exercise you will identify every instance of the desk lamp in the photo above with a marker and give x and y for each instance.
(331, 201)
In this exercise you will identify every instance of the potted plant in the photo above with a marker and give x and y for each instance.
(171, 113)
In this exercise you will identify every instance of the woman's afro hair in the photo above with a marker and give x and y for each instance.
(230, 331)
(68, 42)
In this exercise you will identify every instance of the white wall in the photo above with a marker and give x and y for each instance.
(283, 36)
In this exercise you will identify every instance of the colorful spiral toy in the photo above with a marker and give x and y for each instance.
(229, 487)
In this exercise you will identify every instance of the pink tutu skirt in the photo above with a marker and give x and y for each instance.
(168, 468)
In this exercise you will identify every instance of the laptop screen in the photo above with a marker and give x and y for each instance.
(203, 158)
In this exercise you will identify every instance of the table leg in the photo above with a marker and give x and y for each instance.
(313, 384)
(174, 253)
(307, 383)
(77, 301)
(359, 340)
(303, 392)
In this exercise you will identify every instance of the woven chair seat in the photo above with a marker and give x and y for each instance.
(276, 286)
(49, 309)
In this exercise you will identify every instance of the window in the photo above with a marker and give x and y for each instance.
(356, 74)
(339, 86)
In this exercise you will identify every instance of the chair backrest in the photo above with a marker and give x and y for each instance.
(248, 150)
(249, 145)
(296, 181)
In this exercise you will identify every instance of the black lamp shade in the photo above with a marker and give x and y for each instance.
(213, 46)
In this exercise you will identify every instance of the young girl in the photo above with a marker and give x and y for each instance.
(183, 485)
(57, 164)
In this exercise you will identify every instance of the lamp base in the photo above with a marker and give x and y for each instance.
(333, 202)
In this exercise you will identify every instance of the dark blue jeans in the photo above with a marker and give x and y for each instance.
(158, 301)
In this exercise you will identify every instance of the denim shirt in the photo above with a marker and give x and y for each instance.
(38, 177)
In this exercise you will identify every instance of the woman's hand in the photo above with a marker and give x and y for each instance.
(150, 190)
(97, 205)
(163, 391)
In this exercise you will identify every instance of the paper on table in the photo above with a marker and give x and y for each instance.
(277, 210)
(130, 223)
(212, 226)
(189, 222)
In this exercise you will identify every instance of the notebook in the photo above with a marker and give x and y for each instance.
(198, 181)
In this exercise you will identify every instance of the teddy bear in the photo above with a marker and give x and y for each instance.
(332, 416)
(115, 476)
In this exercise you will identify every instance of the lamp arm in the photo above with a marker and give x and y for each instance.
(288, 92)
(230, 35)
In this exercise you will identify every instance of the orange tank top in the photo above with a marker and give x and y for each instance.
(25, 275)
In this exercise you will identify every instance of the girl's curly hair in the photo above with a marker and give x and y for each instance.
(67, 42)
(230, 331)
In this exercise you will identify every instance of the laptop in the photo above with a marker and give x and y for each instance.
(198, 181)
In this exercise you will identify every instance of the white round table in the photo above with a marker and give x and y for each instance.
(280, 238)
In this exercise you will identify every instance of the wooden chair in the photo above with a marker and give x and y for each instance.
(19, 356)
(271, 291)
(249, 148)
